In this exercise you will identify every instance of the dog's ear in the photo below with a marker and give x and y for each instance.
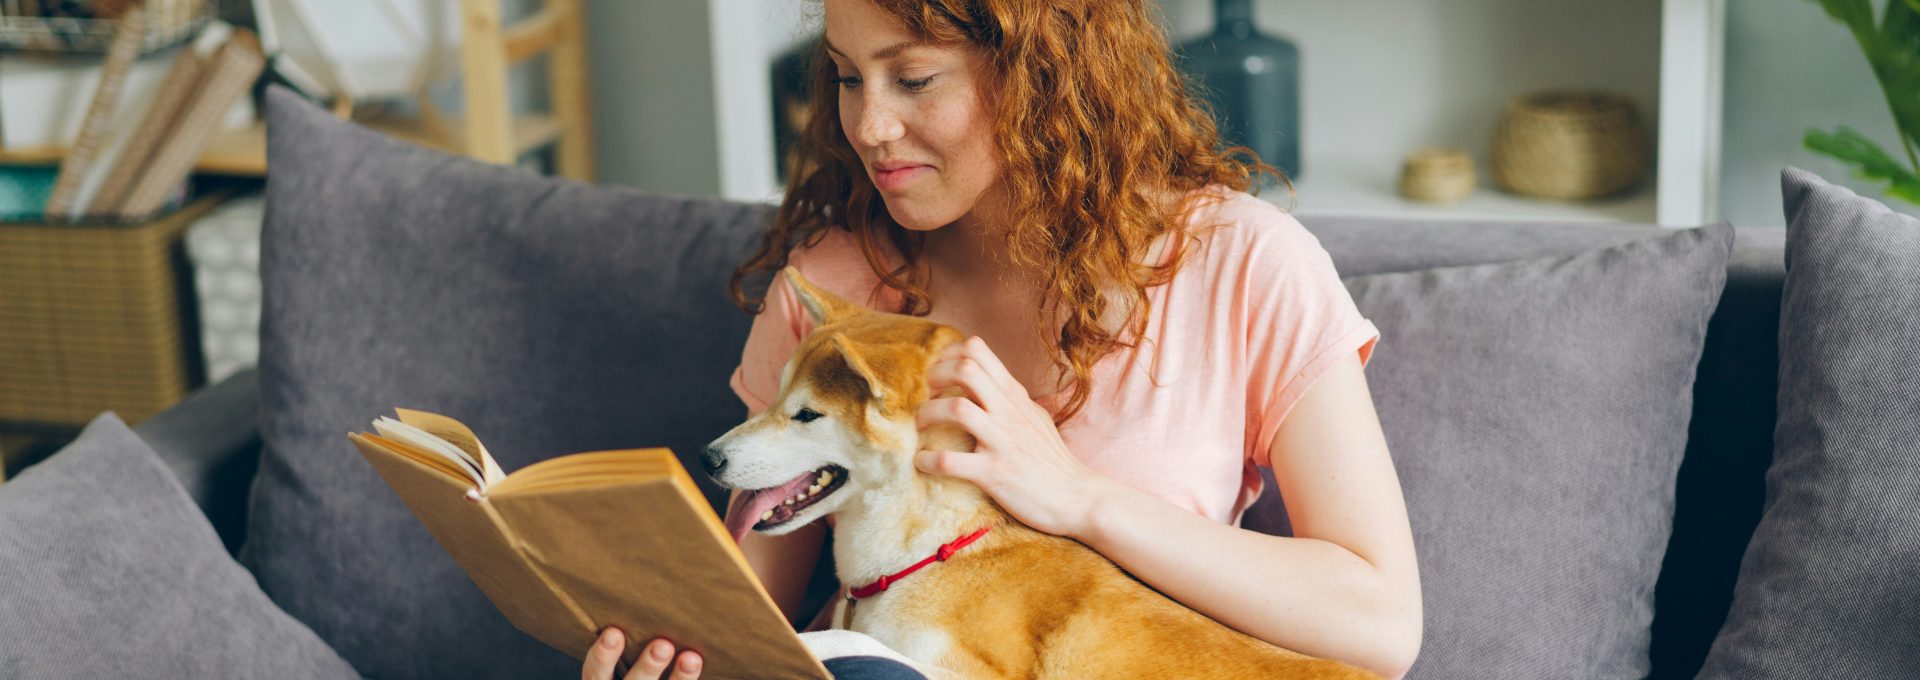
(858, 363)
(825, 307)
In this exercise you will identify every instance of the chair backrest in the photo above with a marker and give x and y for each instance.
(489, 47)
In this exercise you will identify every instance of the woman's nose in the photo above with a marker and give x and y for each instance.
(877, 125)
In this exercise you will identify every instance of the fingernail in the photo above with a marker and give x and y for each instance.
(609, 639)
(661, 651)
(689, 663)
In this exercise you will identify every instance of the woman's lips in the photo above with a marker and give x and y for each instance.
(895, 180)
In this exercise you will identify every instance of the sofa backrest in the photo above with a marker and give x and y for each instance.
(555, 317)
(1722, 479)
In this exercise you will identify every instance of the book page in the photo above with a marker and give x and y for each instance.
(425, 441)
(457, 434)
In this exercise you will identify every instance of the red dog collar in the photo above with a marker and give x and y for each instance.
(941, 555)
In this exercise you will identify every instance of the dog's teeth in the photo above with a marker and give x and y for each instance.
(789, 501)
(826, 478)
(766, 515)
(811, 490)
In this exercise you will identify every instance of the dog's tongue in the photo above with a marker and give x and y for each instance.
(746, 510)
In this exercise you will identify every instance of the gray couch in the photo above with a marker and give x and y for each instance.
(528, 326)
(212, 442)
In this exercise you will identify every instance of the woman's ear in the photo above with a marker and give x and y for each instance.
(825, 307)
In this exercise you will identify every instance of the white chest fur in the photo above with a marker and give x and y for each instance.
(881, 618)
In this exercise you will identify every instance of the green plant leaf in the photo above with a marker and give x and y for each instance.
(1856, 15)
(1892, 50)
(1896, 63)
(1869, 160)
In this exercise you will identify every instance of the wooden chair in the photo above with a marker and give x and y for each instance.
(488, 130)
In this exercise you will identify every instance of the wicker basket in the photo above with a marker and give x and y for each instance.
(96, 317)
(1437, 175)
(1569, 145)
(169, 22)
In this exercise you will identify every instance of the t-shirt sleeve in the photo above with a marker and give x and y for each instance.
(1301, 320)
(775, 334)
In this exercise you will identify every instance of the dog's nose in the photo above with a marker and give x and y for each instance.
(713, 460)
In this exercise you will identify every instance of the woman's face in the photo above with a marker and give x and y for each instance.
(914, 112)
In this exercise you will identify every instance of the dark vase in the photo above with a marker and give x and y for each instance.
(1253, 82)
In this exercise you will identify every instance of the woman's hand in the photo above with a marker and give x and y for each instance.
(1019, 458)
(604, 657)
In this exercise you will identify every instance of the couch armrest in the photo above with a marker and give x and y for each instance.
(211, 441)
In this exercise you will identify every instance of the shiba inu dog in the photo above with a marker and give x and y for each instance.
(941, 577)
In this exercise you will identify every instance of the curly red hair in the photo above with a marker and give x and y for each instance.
(1093, 123)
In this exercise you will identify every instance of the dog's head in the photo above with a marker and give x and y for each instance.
(843, 422)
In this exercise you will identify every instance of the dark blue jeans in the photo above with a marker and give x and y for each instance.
(870, 668)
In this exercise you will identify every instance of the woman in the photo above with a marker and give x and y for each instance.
(1035, 175)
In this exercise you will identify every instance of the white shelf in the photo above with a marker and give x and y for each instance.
(1379, 79)
(1352, 191)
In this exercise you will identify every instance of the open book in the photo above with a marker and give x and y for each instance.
(570, 545)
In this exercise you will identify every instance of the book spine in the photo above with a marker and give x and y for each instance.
(93, 128)
(174, 91)
(229, 76)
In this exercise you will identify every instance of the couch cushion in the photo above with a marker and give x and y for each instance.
(1830, 586)
(552, 316)
(1537, 411)
(1730, 436)
(108, 569)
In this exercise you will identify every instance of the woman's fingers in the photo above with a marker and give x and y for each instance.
(973, 467)
(964, 414)
(959, 411)
(653, 661)
(603, 656)
(688, 668)
(983, 358)
(972, 366)
(970, 376)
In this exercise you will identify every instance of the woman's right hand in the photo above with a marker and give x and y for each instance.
(604, 657)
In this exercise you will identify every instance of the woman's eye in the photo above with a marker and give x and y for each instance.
(916, 85)
(847, 82)
(806, 415)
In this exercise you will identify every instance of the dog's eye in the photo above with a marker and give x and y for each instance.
(806, 415)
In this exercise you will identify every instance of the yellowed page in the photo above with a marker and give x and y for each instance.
(429, 458)
(457, 434)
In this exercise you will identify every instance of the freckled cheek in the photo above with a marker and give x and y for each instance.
(964, 140)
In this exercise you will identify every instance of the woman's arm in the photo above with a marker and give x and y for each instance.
(1345, 587)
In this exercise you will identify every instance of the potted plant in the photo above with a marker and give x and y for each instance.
(1893, 50)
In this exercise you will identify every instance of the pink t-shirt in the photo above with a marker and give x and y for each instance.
(1235, 338)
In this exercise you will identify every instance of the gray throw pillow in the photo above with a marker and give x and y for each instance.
(1537, 411)
(1830, 585)
(108, 569)
(552, 316)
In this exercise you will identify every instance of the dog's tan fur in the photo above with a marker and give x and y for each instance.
(1018, 603)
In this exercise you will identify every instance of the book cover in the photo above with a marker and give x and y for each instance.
(570, 545)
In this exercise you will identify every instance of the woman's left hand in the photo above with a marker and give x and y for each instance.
(1019, 458)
